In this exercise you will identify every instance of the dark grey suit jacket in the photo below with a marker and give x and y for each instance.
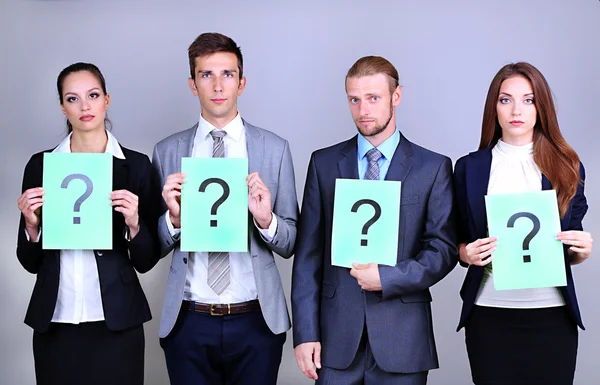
(329, 306)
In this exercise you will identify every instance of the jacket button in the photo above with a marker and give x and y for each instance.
(184, 260)
(99, 253)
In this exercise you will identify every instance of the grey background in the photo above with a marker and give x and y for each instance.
(296, 56)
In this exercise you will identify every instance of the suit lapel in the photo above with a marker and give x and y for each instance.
(121, 174)
(401, 163)
(255, 145)
(348, 164)
(185, 146)
(477, 179)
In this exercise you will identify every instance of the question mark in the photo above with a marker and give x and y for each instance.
(219, 202)
(89, 187)
(532, 233)
(376, 216)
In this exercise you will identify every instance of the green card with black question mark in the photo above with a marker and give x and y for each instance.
(214, 205)
(366, 221)
(528, 254)
(76, 213)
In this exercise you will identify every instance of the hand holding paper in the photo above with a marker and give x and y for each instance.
(367, 276)
(30, 203)
(172, 195)
(259, 200)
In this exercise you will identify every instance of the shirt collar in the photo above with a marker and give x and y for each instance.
(387, 148)
(112, 146)
(234, 129)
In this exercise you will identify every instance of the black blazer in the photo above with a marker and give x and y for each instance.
(123, 299)
(471, 177)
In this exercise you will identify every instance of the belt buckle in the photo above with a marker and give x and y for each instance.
(212, 310)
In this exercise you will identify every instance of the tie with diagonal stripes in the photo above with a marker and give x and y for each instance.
(218, 262)
(373, 171)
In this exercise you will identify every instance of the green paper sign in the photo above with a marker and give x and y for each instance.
(528, 254)
(214, 204)
(366, 219)
(76, 214)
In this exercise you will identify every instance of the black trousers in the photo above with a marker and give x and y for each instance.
(90, 354)
(235, 349)
(521, 346)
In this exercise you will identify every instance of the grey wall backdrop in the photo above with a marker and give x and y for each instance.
(296, 57)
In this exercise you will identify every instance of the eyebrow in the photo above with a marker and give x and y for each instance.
(367, 94)
(200, 72)
(90, 90)
(507, 94)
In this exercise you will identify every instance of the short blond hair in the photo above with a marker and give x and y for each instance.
(374, 65)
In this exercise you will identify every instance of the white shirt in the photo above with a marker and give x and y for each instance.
(514, 171)
(79, 299)
(242, 285)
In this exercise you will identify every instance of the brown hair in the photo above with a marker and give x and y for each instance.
(551, 152)
(374, 65)
(79, 67)
(209, 43)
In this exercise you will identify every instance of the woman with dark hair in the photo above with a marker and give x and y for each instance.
(87, 307)
(525, 336)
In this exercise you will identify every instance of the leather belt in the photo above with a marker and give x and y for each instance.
(218, 309)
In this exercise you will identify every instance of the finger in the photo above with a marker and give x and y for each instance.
(28, 203)
(361, 266)
(317, 357)
(35, 206)
(31, 193)
(489, 252)
(486, 261)
(581, 250)
(121, 202)
(482, 249)
(249, 178)
(124, 194)
(573, 242)
(354, 273)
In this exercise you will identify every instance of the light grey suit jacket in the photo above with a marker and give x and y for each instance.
(270, 156)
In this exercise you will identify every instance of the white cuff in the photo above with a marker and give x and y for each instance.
(268, 234)
(172, 230)
(38, 237)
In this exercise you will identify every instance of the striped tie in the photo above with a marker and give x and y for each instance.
(373, 171)
(218, 263)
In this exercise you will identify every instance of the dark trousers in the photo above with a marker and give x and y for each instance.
(364, 370)
(521, 346)
(231, 349)
(90, 354)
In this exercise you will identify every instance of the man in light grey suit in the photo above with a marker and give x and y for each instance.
(224, 317)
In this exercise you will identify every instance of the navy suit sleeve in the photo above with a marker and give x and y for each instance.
(462, 204)
(307, 272)
(438, 254)
(579, 205)
(30, 254)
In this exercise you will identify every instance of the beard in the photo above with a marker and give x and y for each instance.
(378, 128)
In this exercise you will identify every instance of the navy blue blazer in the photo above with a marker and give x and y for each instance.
(123, 299)
(471, 177)
(329, 306)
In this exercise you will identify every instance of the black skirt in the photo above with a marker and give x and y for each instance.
(521, 346)
(90, 354)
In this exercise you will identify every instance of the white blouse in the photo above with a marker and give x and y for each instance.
(514, 171)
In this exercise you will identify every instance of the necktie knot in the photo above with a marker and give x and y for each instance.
(374, 155)
(217, 134)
